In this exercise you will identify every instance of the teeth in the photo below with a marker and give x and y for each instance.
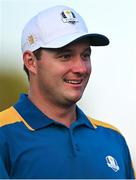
(73, 81)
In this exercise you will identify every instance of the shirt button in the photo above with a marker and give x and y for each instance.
(77, 147)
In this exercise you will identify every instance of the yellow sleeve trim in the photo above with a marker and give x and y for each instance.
(134, 170)
(10, 116)
(96, 123)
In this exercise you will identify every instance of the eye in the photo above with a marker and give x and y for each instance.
(65, 57)
(86, 56)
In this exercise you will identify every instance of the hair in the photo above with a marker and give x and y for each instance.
(37, 53)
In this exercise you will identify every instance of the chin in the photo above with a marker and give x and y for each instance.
(72, 97)
(75, 99)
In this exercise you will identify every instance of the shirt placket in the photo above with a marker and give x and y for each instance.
(74, 144)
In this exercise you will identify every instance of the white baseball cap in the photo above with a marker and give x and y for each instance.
(56, 27)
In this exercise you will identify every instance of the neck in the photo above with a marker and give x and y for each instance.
(63, 114)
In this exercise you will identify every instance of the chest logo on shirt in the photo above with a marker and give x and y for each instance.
(112, 163)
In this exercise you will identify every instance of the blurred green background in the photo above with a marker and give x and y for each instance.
(11, 85)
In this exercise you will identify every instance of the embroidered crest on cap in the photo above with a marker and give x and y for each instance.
(112, 163)
(69, 17)
(31, 39)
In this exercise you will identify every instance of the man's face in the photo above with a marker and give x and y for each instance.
(62, 74)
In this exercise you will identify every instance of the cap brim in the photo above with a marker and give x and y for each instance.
(94, 39)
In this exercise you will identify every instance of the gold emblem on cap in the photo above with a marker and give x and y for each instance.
(31, 39)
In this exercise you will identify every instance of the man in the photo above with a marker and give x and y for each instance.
(45, 134)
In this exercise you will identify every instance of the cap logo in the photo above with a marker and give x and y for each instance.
(69, 17)
(112, 163)
(31, 39)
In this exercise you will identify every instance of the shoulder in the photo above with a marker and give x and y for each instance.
(8, 116)
(98, 123)
(110, 133)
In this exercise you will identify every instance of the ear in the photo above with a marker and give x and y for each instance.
(30, 61)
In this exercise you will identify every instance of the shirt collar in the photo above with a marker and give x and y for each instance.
(36, 119)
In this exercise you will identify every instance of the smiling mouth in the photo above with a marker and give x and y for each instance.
(73, 81)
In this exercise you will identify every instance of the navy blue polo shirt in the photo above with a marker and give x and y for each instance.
(34, 146)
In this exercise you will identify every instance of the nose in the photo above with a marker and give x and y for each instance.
(81, 66)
